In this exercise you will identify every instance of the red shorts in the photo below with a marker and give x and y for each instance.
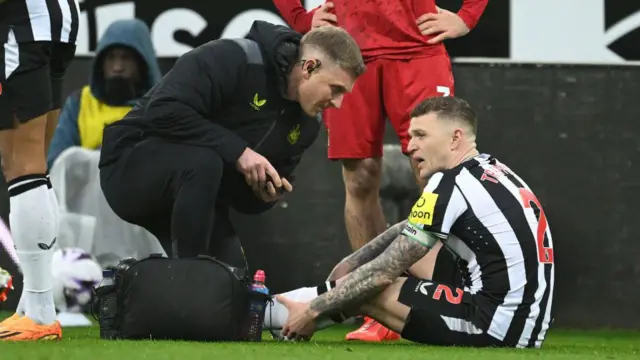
(388, 89)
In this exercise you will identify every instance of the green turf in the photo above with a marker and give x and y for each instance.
(83, 343)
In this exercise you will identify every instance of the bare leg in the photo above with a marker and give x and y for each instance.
(424, 268)
(364, 218)
(52, 123)
(386, 309)
(6, 153)
(22, 149)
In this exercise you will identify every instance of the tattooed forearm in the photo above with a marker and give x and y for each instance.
(372, 278)
(376, 246)
(368, 252)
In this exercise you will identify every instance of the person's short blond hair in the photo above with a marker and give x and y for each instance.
(337, 45)
(448, 108)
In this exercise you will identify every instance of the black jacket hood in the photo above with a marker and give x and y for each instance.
(279, 46)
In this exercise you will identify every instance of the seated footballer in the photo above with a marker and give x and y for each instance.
(473, 206)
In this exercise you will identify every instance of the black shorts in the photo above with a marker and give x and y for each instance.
(31, 76)
(442, 315)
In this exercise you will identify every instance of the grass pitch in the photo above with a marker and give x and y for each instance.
(85, 344)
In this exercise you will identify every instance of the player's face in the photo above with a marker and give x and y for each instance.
(323, 87)
(430, 144)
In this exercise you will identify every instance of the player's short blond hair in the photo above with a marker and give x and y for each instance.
(450, 108)
(338, 46)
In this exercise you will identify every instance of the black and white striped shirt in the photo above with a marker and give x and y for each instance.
(39, 20)
(490, 220)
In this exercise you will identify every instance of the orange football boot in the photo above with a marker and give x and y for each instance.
(373, 331)
(23, 328)
(9, 320)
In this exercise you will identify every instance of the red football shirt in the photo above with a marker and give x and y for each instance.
(383, 28)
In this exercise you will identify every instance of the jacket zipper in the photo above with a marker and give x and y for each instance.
(273, 125)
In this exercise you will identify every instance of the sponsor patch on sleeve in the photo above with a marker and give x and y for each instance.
(425, 238)
(422, 210)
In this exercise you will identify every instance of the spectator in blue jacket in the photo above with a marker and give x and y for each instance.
(124, 69)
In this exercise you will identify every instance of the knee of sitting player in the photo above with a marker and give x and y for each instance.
(362, 177)
(386, 308)
(423, 269)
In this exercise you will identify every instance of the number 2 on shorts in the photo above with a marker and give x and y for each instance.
(545, 254)
(448, 294)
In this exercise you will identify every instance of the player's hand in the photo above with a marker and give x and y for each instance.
(323, 16)
(255, 169)
(270, 193)
(301, 321)
(446, 24)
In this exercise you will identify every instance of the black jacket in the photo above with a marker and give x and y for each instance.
(227, 94)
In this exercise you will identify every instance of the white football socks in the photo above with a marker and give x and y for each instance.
(276, 315)
(33, 221)
(56, 207)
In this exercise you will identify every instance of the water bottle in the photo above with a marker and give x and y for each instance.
(108, 298)
(107, 305)
(257, 307)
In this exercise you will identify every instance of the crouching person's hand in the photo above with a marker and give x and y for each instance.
(271, 193)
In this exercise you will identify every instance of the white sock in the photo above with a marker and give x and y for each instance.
(20, 310)
(56, 207)
(276, 315)
(54, 200)
(33, 225)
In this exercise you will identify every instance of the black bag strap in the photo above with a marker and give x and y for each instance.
(239, 273)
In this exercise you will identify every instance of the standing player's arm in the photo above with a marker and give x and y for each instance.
(197, 86)
(295, 14)
(471, 11)
(372, 278)
(368, 252)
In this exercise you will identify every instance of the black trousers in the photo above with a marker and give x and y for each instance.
(182, 194)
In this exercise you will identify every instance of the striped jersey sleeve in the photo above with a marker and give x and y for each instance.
(439, 206)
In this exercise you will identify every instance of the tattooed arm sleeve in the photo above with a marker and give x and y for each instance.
(368, 252)
(372, 278)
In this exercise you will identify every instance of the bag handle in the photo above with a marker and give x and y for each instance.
(239, 273)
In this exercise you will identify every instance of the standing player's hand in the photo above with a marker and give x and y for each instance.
(324, 16)
(446, 24)
(270, 193)
(255, 169)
